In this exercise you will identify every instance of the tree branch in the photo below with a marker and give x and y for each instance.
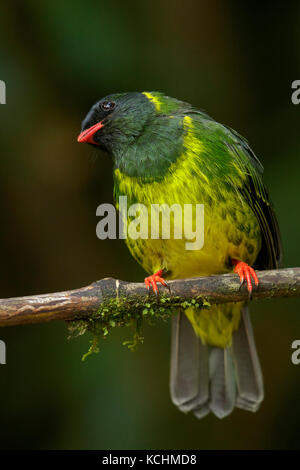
(86, 301)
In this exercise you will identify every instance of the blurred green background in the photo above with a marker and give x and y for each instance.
(57, 58)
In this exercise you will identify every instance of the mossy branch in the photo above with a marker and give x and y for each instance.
(117, 302)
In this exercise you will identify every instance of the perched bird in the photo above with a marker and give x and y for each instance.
(165, 151)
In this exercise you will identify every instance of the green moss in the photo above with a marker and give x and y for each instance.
(133, 312)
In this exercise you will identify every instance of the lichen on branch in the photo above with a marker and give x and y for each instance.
(131, 312)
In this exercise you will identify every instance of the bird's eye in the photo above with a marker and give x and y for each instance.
(108, 105)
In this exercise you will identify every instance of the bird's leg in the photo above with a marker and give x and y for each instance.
(152, 281)
(245, 272)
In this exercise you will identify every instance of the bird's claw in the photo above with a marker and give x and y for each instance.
(245, 273)
(152, 281)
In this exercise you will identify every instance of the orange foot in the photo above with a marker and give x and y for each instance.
(153, 279)
(245, 272)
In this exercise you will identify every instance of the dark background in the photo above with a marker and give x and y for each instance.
(237, 61)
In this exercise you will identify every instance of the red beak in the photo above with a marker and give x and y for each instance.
(87, 135)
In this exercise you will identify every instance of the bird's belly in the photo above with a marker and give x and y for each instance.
(226, 235)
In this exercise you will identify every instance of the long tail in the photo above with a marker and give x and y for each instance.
(205, 378)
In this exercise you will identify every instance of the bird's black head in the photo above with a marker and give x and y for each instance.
(116, 120)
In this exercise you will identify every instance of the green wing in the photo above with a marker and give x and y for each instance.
(232, 146)
(256, 195)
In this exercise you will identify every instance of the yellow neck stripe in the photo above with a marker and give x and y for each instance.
(154, 99)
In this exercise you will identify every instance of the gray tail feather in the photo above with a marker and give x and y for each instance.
(205, 378)
(250, 385)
